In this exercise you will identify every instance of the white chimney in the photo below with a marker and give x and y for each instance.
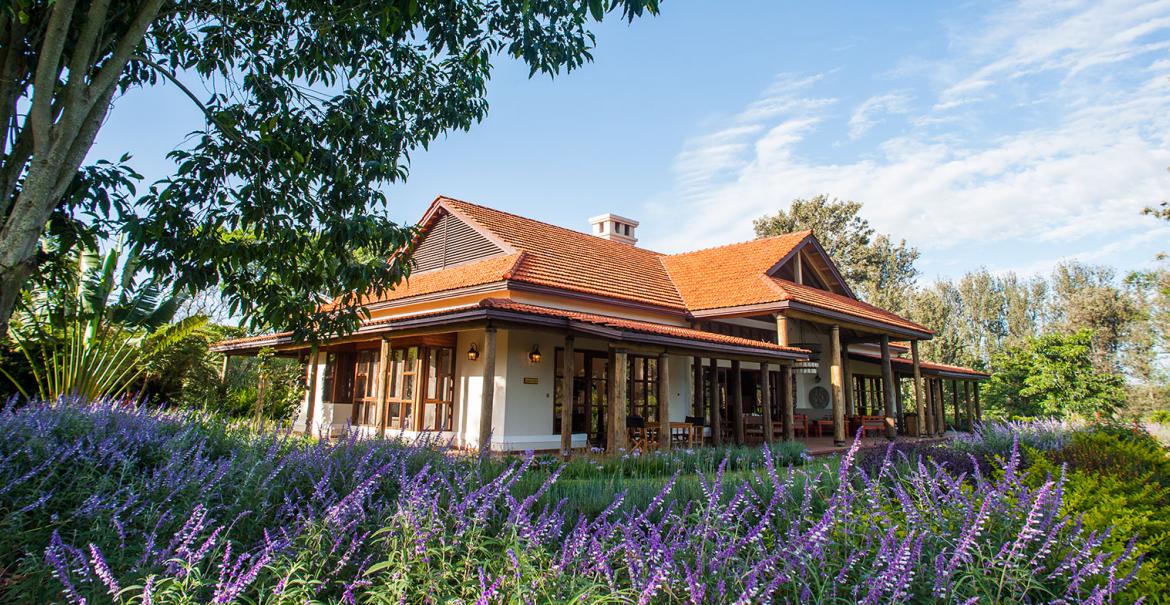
(614, 228)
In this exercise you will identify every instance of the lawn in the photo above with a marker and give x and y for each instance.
(103, 504)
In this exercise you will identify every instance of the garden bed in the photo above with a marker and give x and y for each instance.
(118, 505)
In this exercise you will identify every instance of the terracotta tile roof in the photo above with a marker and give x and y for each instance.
(564, 258)
(727, 276)
(791, 291)
(635, 326)
(731, 275)
(926, 366)
(476, 273)
(505, 304)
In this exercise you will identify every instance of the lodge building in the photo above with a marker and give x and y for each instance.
(548, 338)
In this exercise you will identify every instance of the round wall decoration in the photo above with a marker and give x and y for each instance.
(819, 397)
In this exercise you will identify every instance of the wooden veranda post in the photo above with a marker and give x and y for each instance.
(736, 388)
(955, 402)
(568, 371)
(223, 367)
(766, 396)
(931, 425)
(940, 412)
(888, 389)
(847, 381)
(788, 403)
(618, 435)
(788, 387)
(969, 404)
(716, 413)
(697, 389)
(663, 401)
(311, 407)
(838, 377)
(488, 396)
(978, 408)
(899, 404)
(920, 417)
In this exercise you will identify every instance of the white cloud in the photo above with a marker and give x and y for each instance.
(868, 114)
(1092, 152)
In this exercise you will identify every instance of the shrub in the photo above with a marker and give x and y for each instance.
(1160, 416)
(1118, 484)
(111, 504)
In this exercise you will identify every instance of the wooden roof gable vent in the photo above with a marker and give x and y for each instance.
(614, 228)
(450, 241)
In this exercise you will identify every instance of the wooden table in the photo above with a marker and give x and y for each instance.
(823, 424)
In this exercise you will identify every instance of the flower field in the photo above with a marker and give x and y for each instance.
(100, 504)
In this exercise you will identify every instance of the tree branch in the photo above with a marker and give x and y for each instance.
(48, 72)
(13, 82)
(173, 79)
(85, 50)
(108, 76)
(11, 170)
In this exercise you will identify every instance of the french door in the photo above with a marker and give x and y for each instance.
(420, 388)
(589, 394)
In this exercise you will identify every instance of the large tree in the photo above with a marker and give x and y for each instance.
(1053, 375)
(880, 269)
(313, 107)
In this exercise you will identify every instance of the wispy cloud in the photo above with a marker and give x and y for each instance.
(869, 113)
(966, 169)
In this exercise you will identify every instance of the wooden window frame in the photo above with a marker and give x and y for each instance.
(399, 372)
(444, 406)
(365, 387)
(647, 406)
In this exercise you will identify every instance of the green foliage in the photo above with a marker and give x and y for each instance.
(1053, 375)
(1118, 480)
(91, 335)
(1160, 416)
(316, 107)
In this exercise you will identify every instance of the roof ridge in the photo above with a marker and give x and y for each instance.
(805, 232)
(551, 225)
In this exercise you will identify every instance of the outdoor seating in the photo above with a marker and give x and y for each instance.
(800, 425)
(873, 424)
(644, 438)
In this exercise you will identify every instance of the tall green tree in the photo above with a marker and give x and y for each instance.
(880, 269)
(1053, 375)
(314, 107)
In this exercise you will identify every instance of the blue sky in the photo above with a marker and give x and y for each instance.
(1002, 135)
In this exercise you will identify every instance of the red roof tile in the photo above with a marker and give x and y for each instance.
(564, 258)
(476, 273)
(727, 276)
(815, 297)
(731, 275)
(925, 366)
(505, 304)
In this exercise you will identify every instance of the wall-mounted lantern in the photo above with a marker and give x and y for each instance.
(534, 354)
(473, 352)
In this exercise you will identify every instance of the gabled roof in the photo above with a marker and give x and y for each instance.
(732, 275)
(572, 260)
(700, 282)
(477, 273)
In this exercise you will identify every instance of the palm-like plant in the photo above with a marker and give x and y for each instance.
(90, 337)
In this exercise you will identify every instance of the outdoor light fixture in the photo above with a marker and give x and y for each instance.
(534, 354)
(473, 352)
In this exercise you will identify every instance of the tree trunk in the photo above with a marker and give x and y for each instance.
(61, 123)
